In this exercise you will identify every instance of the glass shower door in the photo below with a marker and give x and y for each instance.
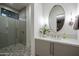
(7, 35)
(3, 35)
(21, 36)
(22, 32)
(11, 31)
(12, 36)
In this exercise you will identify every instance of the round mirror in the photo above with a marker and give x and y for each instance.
(56, 18)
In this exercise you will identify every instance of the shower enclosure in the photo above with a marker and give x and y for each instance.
(12, 36)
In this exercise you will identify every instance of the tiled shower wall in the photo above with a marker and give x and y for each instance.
(22, 26)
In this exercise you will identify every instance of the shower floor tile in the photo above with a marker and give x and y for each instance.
(14, 50)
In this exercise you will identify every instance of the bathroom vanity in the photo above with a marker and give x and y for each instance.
(56, 47)
(63, 40)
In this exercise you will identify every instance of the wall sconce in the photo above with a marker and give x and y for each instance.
(71, 21)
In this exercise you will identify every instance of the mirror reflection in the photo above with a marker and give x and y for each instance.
(57, 13)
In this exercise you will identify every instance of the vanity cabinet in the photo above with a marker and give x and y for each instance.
(42, 48)
(45, 48)
(65, 50)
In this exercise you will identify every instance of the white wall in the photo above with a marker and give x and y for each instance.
(41, 17)
(77, 8)
(68, 8)
(38, 18)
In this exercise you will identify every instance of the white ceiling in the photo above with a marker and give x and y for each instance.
(16, 6)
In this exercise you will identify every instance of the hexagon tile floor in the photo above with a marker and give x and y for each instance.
(14, 50)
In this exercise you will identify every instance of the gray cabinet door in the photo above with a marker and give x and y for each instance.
(42, 48)
(65, 50)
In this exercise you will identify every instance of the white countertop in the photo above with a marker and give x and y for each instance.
(73, 42)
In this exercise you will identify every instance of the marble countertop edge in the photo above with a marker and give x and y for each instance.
(68, 41)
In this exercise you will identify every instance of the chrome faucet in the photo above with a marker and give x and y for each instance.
(52, 33)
